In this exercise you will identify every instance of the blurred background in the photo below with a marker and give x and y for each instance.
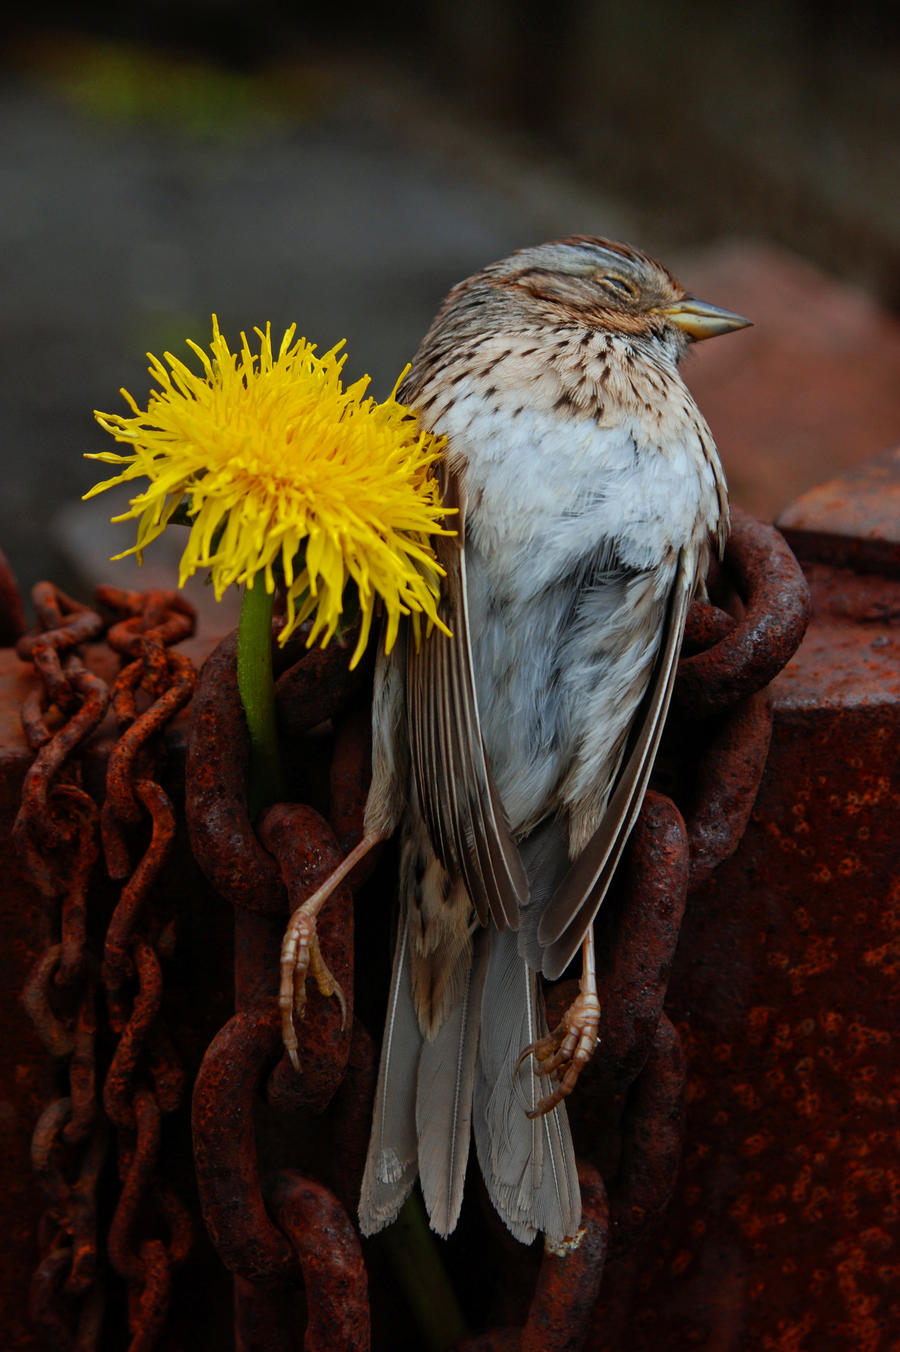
(342, 166)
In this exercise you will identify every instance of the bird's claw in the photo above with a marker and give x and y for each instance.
(301, 956)
(566, 1050)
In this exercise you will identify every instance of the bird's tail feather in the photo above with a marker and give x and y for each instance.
(392, 1161)
(432, 1091)
(528, 1163)
(444, 1099)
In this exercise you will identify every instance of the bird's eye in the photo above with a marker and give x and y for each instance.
(619, 285)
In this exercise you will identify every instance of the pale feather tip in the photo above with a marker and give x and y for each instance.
(561, 1248)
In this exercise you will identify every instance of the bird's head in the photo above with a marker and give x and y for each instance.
(608, 286)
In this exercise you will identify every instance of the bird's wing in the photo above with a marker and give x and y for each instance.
(580, 893)
(460, 804)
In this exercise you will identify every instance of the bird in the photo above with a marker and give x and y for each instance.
(513, 757)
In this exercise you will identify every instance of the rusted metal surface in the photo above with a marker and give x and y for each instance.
(727, 772)
(850, 522)
(328, 1251)
(561, 1302)
(272, 1149)
(635, 1085)
(223, 839)
(775, 615)
(637, 939)
(561, 1306)
(229, 1174)
(94, 993)
(270, 1231)
(307, 853)
(784, 1226)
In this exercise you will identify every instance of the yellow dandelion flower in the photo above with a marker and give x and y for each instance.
(277, 463)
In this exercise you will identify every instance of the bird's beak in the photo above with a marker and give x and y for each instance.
(699, 320)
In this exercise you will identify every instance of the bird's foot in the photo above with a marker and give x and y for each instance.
(566, 1050)
(301, 957)
(301, 954)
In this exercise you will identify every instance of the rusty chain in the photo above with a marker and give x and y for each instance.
(253, 1216)
(627, 1112)
(722, 707)
(100, 978)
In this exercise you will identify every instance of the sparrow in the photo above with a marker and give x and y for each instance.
(515, 755)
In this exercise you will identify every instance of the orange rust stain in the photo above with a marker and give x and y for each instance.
(681, 1262)
(774, 1080)
(860, 1037)
(863, 1329)
(757, 1022)
(818, 1281)
(849, 865)
(831, 1021)
(856, 801)
(821, 955)
(751, 1224)
(814, 1210)
(886, 958)
(754, 1145)
(696, 1156)
(801, 1184)
(785, 843)
(747, 1096)
(783, 1040)
(809, 1103)
(789, 1337)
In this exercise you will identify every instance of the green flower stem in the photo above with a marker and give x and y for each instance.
(416, 1264)
(257, 689)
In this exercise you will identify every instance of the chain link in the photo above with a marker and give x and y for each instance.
(273, 1229)
(639, 1063)
(83, 988)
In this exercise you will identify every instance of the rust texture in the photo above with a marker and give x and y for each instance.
(277, 1156)
(852, 521)
(94, 992)
(784, 1226)
(228, 1167)
(276, 1229)
(774, 619)
(328, 1251)
(224, 842)
(635, 1086)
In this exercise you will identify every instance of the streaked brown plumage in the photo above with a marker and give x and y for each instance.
(516, 755)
